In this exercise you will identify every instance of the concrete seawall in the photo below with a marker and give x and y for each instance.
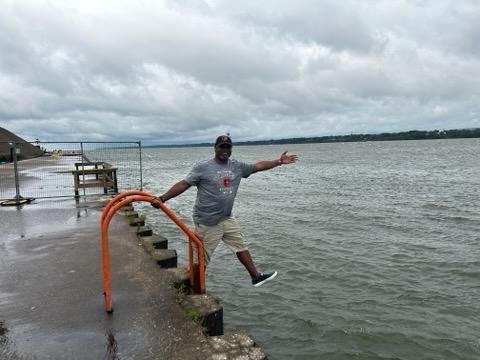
(51, 292)
(206, 310)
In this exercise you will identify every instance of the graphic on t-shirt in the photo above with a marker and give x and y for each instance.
(227, 182)
(225, 178)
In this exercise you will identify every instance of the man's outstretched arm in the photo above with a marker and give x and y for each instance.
(270, 164)
(175, 190)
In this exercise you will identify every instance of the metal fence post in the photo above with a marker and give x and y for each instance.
(83, 168)
(15, 169)
(141, 169)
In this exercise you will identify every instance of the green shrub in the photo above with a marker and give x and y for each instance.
(182, 291)
(193, 314)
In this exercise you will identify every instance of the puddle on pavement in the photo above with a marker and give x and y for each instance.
(7, 350)
(3, 330)
(112, 346)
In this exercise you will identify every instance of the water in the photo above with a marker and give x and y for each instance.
(377, 245)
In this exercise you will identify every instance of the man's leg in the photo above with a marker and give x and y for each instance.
(210, 236)
(233, 237)
(257, 277)
(247, 261)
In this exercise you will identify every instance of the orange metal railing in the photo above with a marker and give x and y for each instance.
(196, 270)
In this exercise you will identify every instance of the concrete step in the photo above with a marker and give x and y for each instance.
(207, 310)
(165, 258)
(136, 221)
(154, 242)
(144, 231)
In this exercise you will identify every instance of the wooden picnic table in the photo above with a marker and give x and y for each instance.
(95, 164)
(104, 177)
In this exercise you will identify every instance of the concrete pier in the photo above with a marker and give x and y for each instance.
(51, 292)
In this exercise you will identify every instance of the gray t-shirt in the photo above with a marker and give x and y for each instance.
(217, 186)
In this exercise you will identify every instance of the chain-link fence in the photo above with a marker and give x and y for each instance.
(67, 169)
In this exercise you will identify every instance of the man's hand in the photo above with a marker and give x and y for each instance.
(155, 204)
(287, 159)
(270, 164)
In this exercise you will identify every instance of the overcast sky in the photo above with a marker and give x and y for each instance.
(187, 71)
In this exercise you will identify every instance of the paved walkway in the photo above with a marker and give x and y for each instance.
(51, 290)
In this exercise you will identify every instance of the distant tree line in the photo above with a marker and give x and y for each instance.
(405, 135)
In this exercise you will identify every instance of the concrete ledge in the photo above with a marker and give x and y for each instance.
(180, 276)
(165, 258)
(207, 310)
(131, 214)
(154, 242)
(144, 231)
(136, 221)
(236, 346)
(127, 209)
(204, 309)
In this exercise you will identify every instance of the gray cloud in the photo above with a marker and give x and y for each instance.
(172, 72)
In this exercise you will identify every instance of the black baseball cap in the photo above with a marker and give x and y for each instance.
(223, 139)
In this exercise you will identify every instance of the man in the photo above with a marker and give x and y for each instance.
(217, 182)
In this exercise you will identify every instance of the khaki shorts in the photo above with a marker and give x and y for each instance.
(227, 230)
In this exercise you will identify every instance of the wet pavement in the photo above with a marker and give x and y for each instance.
(51, 290)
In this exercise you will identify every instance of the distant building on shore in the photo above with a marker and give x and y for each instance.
(25, 150)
